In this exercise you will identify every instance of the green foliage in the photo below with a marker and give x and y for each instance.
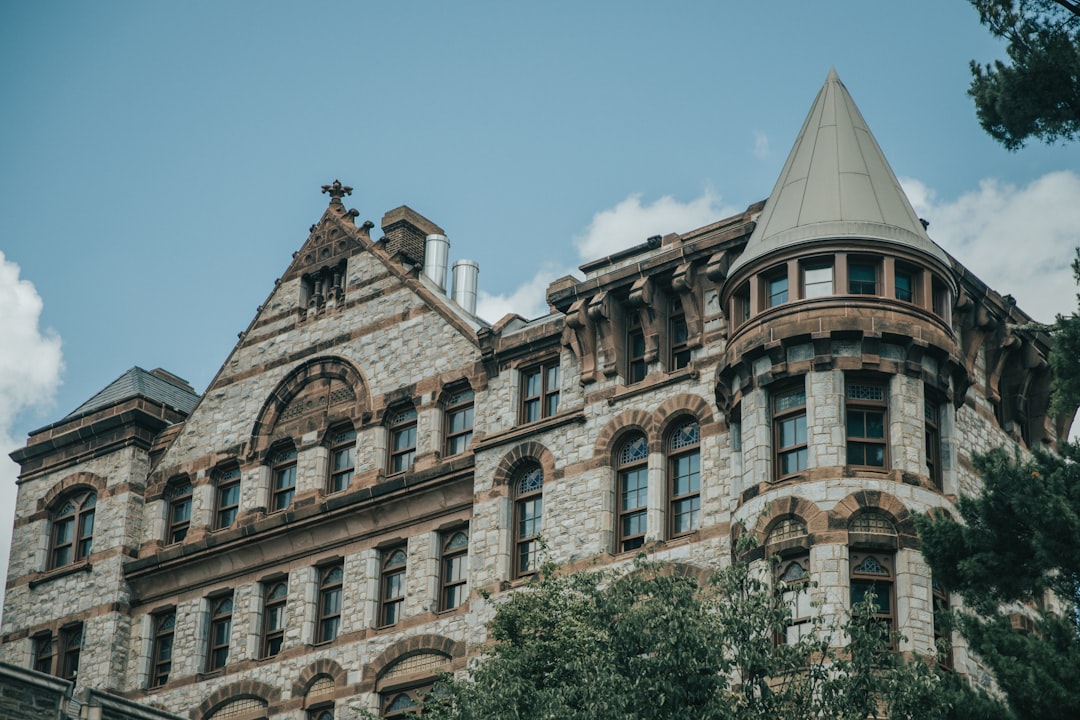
(1037, 93)
(655, 644)
(1019, 541)
(1065, 355)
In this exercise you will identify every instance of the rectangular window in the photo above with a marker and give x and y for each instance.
(817, 280)
(777, 289)
(459, 422)
(392, 586)
(635, 350)
(179, 511)
(931, 413)
(678, 336)
(227, 498)
(633, 504)
(540, 391)
(330, 583)
(342, 459)
(71, 641)
(402, 440)
(942, 300)
(872, 573)
(789, 432)
(44, 648)
(284, 487)
(455, 558)
(794, 574)
(164, 625)
(862, 277)
(905, 280)
(866, 424)
(221, 610)
(740, 310)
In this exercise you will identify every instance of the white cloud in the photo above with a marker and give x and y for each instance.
(761, 145)
(30, 366)
(630, 223)
(1019, 240)
(528, 300)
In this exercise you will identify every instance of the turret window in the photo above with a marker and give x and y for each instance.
(862, 277)
(789, 432)
(866, 424)
(776, 288)
(817, 279)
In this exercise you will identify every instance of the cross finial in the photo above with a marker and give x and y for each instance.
(336, 191)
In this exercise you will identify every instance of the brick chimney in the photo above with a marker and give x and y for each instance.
(406, 232)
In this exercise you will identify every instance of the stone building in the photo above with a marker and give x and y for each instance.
(314, 532)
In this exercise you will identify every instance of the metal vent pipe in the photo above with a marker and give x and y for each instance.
(466, 274)
(436, 255)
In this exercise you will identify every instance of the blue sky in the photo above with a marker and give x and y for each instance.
(162, 161)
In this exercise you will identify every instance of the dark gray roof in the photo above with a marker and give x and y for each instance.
(137, 382)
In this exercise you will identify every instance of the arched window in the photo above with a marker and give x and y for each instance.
(330, 583)
(164, 625)
(632, 463)
(319, 699)
(73, 529)
(392, 595)
(873, 568)
(792, 575)
(240, 709)
(528, 513)
(221, 610)
(226, 496)
(402, 440)
(459, 422)
(178, 495)
(454, 578)
(684, 471)
(342, 458)
(402, 704)
(277, 594)
(283, 477)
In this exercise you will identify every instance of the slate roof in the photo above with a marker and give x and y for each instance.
(836, 183)
(137, 382)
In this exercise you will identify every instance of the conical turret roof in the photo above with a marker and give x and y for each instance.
(836, 184)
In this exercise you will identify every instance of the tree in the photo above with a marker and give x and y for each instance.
(1036, 94)
(1018, 549)
(656, 644)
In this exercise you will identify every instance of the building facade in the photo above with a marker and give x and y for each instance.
(314, 532)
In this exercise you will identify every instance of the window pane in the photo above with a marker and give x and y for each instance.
(818, 281)
(778, 290)
(862, 279)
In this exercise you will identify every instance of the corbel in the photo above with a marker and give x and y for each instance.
(717, 267)
(601, 313)
(684, 282)
(580, 336)
(644, 300)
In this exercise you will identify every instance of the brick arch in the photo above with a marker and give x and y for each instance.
(675, 409)
(817, 520)
(428, 643)
(617, 428)
(864, 500)
(235, 691)
(679, 569)
(327, 368)
(520, 455)
(70, 483)
(317, 669)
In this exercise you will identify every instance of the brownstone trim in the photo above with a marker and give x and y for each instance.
(294, 383)
(524, 453)
(673, 410)
(612, 434)
(70, 483)
(320, 668)
(427, 643)
(238, 690)
(817, 521)
(856, 503)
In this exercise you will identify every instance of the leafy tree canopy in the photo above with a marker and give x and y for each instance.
(657, 644)
(1037, 93)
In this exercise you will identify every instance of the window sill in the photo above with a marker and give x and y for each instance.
(50, 575)
(519, 431)
(649, 384)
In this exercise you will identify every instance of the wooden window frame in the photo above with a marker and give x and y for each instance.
(459, 416)
(740, 304)
(682, 447)
(179, 494)
(392, 585)
(545, 396)
(795, 594)
(862, 286)
(401, 431)
(221, 616)
(72, 530)
(341, 467)
(273, 625)
(679, 352)
(162, 645)
(774, 296)
(884, 584)
(331, 595)
(942, 641)
(932, 443)
(911, 294)
(227, 480)
(321, 713)
(44, 649)
(528, 484)
(70, 651)
(282, 477)
(810, 266)
(865, 408)
(783, 414)
(636, 367)
(414, 694)
(453, 569)
(632, 468)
